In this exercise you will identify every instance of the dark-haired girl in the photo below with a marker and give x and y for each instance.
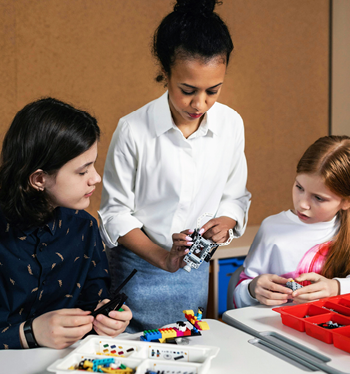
(170, 162)
(53, 270)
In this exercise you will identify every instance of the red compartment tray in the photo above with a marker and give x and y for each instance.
(307, 317)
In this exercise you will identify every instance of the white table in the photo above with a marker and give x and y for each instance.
(236, 355)
(263, 319)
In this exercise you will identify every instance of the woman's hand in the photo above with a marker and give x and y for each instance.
(217, 229)
(321, 287)
(181, 243)
(61, 328)
(171, 261)
(270, 289)
(115, 323)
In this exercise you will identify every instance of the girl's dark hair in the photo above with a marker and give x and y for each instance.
(329, 157)
(45, 134)
(191, 30)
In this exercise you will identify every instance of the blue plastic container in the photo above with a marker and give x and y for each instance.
(226, 268)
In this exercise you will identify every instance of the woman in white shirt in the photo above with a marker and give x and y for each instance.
(171, 161)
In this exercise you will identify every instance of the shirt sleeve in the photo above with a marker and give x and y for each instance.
(235, 201)
(256, 263)
(9, 336)
(242, 296)
(97, 283)
(118, 193)
(344, 284)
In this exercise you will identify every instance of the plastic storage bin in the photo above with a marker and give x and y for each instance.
(308, 318)
(227, 267)
(139, 356)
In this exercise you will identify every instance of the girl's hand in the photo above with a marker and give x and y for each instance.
(217, 229)
(321, 287)
(181, 243)
(61, 328)
(269, 289)
(115, 323)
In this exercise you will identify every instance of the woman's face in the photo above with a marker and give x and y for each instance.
(75, 181)
(194, 86)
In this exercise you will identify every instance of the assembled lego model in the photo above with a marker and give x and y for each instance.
(170, 334)
(293, 285)
(202, 249)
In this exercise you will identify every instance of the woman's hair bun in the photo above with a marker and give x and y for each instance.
(205, 7)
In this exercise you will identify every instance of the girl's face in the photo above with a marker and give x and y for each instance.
(313, 201)
(75, 181)
(193, 87)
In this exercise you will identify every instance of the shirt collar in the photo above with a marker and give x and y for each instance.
(212, 124)
(162, 115)
(50, 226)
(163, 121)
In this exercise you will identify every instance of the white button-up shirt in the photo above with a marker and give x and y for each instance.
(156, 179)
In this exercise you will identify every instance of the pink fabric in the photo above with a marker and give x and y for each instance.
(312, 262)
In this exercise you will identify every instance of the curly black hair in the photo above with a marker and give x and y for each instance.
(193, 29)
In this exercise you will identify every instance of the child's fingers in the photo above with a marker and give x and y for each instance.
(103, 302)
(72, 312)
(304, 298)
(271, 298)
(312, 277)
(124, 315)
(306, 290)
(114, 323)
(105, 329)
(275, 283)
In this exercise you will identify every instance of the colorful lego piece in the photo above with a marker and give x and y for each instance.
(330, 325)
(106, 365)
(202, 249)
(199, 313)
(169, 335)
(293, 285)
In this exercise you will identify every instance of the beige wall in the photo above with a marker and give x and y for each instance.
(341, 67)
(95, 55)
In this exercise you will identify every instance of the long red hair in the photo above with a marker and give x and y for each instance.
(329, 157)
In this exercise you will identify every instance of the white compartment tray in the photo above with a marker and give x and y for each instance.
(140, 356)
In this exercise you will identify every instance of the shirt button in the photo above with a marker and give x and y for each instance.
(44, 282)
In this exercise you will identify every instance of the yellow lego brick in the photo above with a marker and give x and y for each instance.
(88, 364)
(116, 371)
(190, 312)
(168, 333)
(203, 325)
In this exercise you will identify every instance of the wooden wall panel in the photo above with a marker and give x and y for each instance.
(278, 81)
(96, 55)
(340, 67)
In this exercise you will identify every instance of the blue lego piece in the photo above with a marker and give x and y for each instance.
(150, 335)
(102, 362)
